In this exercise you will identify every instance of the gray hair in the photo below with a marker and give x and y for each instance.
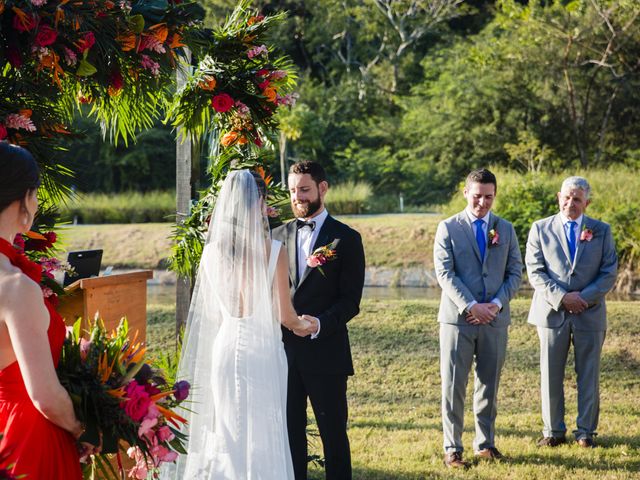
(577, 182)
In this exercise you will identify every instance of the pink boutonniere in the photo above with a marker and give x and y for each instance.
(494, 237)
(322, 255)
(586, 234)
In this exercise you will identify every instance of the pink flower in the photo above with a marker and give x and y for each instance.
(85, 345)
(149, 42)
(494, 236)
(137, 404)
(241, 108)
(17, 122)
(164, 434)
(222, 103)
(139, 471)
(45, 36)
(288, 99)
(70, 57)
(257, 51)
(278, 75)
(314, 261)
(38, 3)
(586, 235)
(163, 454)
(149, 64)
(146, 428)
(153, 412)
(47, 292)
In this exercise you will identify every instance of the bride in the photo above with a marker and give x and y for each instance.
(233, 352)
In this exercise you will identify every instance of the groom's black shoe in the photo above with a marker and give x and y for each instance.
(454, 460)
(551, 441)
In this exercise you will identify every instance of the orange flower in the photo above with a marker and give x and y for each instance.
(208, 83)
(270, 93)
(160, 31)
(26, 112)
(242, 140)
(255, 19)
(176, 41)
(127, 40)
(109, 4)
(229, 138)
(1, 6)
(113, 91)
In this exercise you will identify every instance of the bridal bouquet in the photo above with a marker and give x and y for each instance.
(121, 399)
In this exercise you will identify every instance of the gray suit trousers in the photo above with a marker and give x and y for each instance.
(554, 349)
(459, 346)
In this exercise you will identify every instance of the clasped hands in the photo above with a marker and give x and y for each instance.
(482, 313)
(307, 325)
(574, 303)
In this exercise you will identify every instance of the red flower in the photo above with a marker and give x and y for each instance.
(25, 23)
(3, 132)
(222, 103)
(264, 84)
(45, 36)
(116, 81)
(263, 72)
(137, 405)
(86, 42)
(13, 55)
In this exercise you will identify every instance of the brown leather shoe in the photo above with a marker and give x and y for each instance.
(551, 441)
(586, 442)
(454, 460)
(491, 453)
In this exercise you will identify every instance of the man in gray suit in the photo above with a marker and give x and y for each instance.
(572, 264)
(479, 267)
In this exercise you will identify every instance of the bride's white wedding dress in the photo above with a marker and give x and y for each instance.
(234, 355)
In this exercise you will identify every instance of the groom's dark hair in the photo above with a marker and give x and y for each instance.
(481, 175)
(312, 168)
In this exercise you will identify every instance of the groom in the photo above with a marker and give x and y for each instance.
(329, 295)
(478, 266)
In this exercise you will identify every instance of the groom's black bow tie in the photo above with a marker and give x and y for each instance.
(301, 224)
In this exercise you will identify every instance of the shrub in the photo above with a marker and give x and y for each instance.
(348, 198)
(132, 207)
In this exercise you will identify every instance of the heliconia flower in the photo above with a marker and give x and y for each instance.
(256, 51)
(70, 57)
(149, 64)
(222, 103)
(3, 135)
(19, 122)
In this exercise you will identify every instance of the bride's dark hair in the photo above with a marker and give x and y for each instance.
(20, 174)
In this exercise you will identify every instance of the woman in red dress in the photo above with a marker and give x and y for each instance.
(37, 420)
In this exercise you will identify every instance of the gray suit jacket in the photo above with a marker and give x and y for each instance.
(552, 274)
(464, 276)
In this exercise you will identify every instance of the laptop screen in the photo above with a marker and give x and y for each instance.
(86, 263)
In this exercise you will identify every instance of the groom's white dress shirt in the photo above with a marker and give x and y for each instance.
(485, 229)
(305, 240)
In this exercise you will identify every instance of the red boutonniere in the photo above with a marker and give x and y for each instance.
(586, 234)
(494, 237)
(322, 256)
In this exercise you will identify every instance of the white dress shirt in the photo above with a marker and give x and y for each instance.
(305, 240)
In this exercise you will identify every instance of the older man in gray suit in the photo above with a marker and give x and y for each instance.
(572, 264)
(479, 267)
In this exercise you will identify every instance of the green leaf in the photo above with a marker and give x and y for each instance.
(85, 69)
(136, 23)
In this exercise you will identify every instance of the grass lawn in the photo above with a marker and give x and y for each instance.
(394, 398)
(146, 245)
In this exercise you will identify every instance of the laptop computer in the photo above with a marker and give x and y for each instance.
(86, 263)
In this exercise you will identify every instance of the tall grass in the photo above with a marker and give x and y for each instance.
(348, 198)
(130, 207)
(615, 199)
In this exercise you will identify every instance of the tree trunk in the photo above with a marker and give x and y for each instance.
(183, 202)
(283, 158)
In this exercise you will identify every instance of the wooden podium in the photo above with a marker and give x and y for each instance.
(111, 297)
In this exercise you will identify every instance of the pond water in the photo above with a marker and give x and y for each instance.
(166, 294)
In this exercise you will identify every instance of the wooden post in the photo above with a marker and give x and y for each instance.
(183, 201)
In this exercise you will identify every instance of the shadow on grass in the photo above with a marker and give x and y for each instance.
(392, 425)
(583, 460)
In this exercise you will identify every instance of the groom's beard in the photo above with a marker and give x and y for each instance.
(306, 209)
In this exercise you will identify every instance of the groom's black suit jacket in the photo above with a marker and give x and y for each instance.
(333, 297)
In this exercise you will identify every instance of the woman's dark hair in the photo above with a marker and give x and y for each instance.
(20, 174)
(260, 183)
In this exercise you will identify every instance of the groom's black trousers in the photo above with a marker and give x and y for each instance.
(328, 396)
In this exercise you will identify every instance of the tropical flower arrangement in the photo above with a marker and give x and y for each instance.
(123, 401)
(323, 255)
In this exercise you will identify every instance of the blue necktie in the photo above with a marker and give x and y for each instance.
(482, 242)
(571, 238)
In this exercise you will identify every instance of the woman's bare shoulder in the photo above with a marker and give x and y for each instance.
(17, 292)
